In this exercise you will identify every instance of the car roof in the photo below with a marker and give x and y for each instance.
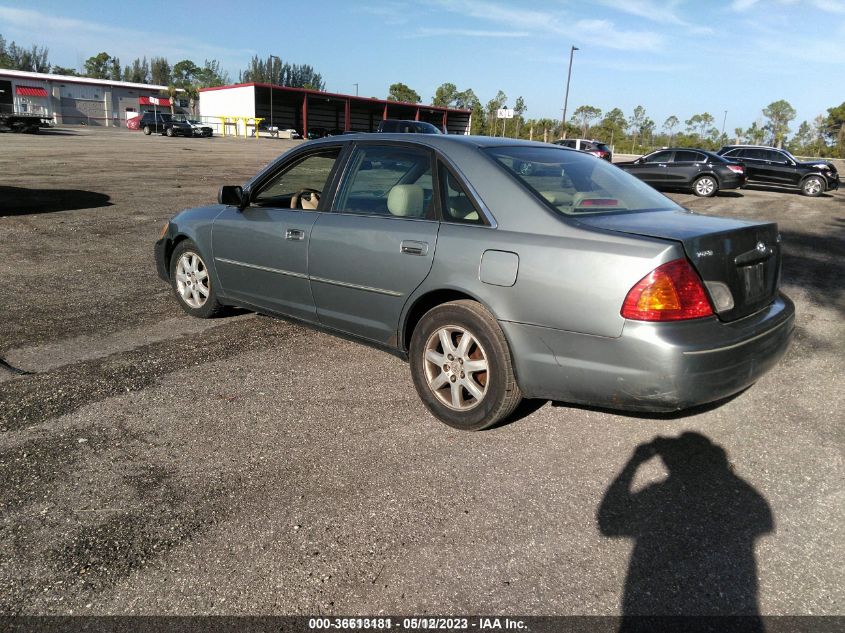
(436, 140)
(752, 147)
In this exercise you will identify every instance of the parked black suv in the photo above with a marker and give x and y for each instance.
(164, 123)
(771, 166)
(683, 168)
(407, 126)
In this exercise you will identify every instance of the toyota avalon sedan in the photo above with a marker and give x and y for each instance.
(697, 170)
(574, 282)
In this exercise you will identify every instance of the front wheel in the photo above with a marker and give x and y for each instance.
(169, 131)
(147, 130)
(705, 187)
(812, 186)
(461, 366)
(191, 282)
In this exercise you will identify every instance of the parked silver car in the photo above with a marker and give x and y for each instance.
(571, 281)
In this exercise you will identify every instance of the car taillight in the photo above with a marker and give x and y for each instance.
(737, 169)
(670, 292)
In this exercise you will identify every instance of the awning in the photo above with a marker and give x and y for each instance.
(163, 102)
(30, 91)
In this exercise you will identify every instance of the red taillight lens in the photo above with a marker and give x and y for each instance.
(671, 292)
(737, 169)
(599, 202)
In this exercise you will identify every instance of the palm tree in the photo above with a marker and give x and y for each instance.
(171, 91)
(193, 94)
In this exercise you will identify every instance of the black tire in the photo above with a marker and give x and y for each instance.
(169, 131)
(147, 130)
(705, 186)
(211, 307)
(501, 393)
(813, 186)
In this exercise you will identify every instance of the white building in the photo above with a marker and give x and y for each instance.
(76, 100)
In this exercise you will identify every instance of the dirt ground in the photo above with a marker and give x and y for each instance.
(151, 463)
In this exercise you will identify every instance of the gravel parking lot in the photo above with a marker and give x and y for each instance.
(155, 464)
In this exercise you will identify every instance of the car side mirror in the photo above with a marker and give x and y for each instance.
(231, 195)
(639, 161)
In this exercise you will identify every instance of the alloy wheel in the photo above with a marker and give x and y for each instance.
(812, 187)
(192, 279)
(456, 367)
(704, 186)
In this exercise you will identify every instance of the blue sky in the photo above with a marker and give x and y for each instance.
(672, 57)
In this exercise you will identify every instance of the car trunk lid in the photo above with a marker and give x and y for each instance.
(740, 256)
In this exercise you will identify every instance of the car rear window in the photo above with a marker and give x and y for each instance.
(573, 183)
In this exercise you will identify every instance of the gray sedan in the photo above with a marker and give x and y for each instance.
(569, 280)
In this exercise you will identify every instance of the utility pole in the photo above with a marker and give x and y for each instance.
(272, 90)
(566, 98)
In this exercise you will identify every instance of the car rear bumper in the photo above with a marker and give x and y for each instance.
(651, 366)
(732, 181)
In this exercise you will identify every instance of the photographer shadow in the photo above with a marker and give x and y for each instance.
(694, 538)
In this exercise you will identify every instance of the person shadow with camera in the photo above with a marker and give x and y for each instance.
(694, 537)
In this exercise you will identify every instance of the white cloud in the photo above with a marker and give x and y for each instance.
(831, 6)
(660, 13)
(742, 5)
(550, 23)
(72, 34)
(434, 32)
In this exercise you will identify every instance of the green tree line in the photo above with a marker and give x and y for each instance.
(637, 133)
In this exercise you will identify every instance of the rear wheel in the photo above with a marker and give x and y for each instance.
(147, 130)
(461, 366)
(812, 186)
(705, 187)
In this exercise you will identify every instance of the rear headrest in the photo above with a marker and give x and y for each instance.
(405, 201)
(556, 197)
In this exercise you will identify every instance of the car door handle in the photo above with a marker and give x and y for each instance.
(410, 247)
(663, 165)
(294, 234)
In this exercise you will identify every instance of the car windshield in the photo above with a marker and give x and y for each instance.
(576, 183)
(790, 155)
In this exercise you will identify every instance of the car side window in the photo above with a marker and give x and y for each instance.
(659, 157)
(775, 157)
(457, 205)
(388, 180)
(300, 185)
(682, 156)
(755, 154)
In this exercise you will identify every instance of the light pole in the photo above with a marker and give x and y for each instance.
(566, 98)
(272, 90)
(725, 118)
(356, 89)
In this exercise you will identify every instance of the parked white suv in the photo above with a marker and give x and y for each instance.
(591, 146)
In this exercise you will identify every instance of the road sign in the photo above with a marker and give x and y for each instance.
(504, 113)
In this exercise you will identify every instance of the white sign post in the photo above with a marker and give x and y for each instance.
(504, 113)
